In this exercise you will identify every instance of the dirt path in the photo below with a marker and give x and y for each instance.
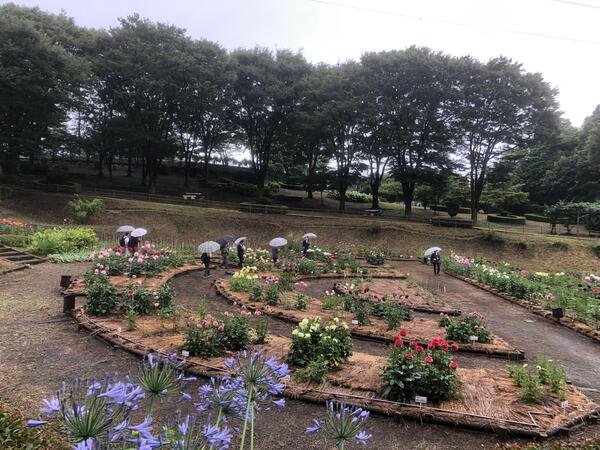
(40, 347)
(520, 327)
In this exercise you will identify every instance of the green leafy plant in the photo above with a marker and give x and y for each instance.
(286, 281)
(376, 258)
(551, 374)
(62, 240)
(301, 302)
(256, 294)
(362, 311)
(392, 312)
(131, 317)
(462, 328)
(307, 267)
(271, 294)
(84, 210)
(332, 302)
(312, 340)
(102, 297)
(261, 328)
(243, 284)
(315, 370)
(236, 332)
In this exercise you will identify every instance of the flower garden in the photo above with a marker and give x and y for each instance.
(322, 338)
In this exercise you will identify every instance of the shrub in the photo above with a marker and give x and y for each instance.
(413, 370)
(139, 299)
(271, 294)
(452, 208)
(315, 370)
(491, 237)
(537, 218)
(236, 333)
(61, 240)
(312, 340)
(376, 258)
(101, 296)
(546, 373)
(351, 196)
(392, 312)
(84, 210)
(462, 328)
(131, 317)
(332, 302)
(560, 245)
(245, 189)
(286, 281)
(203, 340)
(15, 240)
(507, 219)
(256, 294)
(301, 302)
(261, 328)
(454, 223)
(244, 281)
(70, 257)
(307, 267)
(551, 374)
(374, 230)
(362, 311)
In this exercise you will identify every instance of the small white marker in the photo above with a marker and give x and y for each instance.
(185, 353)
(474, 338)
(354, 322)
(420, 400)
(119, 330)
(564, 405)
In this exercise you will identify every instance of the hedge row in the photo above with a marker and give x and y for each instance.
(537, 218)
(442, 208)
(67, 188)
(15, 240)
(265, 209)
(454, 223)
(513, 220)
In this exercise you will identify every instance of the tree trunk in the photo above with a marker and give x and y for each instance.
(186, 171)
(309, 192)
(342, 192)
(476, 191)
(206, 165)
(408, 189)
(375, 195)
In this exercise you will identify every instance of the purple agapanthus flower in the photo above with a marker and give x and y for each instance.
(342, 424)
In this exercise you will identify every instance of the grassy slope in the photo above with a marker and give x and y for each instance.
(187, 225)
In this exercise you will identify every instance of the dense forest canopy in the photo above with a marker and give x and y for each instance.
(426, 125)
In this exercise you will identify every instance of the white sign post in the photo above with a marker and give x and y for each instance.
(473, 339)
(564, 405)
(420, 400)
(185, 353)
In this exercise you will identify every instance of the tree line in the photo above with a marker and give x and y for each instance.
(147, 92)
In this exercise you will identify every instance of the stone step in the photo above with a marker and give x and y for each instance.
(20, 257)
(31, 262)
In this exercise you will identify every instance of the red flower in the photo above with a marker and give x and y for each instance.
(408, 356)
(454, 347)
(403, 332)
(398, 342)
(412, 344)
(596, 291)
(428, 359)
(453, 365)
(130, 293)
(419, 349)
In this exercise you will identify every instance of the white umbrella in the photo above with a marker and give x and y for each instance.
(278, 242)
(432, 250)
(139, 232)
(310, 235)
(125, 229)
(208, 247)
(240, 239)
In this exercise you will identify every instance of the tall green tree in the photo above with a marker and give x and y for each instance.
(266, 91)
(414, 88)
(41, 73)
(501, 106)
(203, 121)
(145, 64)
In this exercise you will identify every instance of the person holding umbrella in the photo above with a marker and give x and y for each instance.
(205, 249)
(223, 242)
(276, 244)
(241, 249)
(124, 241)
(436, 262)
(306, 242)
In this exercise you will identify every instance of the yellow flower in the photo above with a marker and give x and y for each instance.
(541, 274)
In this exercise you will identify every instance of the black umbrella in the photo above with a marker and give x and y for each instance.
(224, 240)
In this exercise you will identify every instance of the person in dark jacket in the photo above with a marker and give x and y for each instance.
(225, 256)
(124, 243)
(241, 249)
(436, 261)
(275, 254)
(205, 258)
(305, 245)
(133, 244)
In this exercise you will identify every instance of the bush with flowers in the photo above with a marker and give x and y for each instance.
(102, 296)
(415, 370)
(245, 280)
(259, 258)
(313, 339)
(461, 329)
(15, 227)
(136, 298)
(376, 258)
(307, 267)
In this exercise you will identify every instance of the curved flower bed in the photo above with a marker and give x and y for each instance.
(487, 399)
(540, 292)
(422, 328)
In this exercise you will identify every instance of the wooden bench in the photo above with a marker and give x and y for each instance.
(372, 212)
(192, 196)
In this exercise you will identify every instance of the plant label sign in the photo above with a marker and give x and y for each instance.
(119, 330)
(185, 353)
(420, 400)
(474, 338)
(354, 322)
(564, 405)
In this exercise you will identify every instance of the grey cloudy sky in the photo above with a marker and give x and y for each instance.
(326, 30)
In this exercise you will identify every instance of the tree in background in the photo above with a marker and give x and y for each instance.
(203, 120)
(500, 107)
(266, 91)
(41, 75)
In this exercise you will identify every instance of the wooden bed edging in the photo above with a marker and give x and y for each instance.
(403, 410)
(466, 348)
(567, 322)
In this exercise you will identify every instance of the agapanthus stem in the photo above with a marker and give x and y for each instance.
(342, 445)
(219, 417)
(252, 427)
(248, 406)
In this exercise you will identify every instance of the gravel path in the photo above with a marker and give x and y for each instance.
(40, 347)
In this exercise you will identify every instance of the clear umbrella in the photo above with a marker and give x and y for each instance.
(432, 250)
(139, 232)
(278, 242)
(125, 229)
(208, 247)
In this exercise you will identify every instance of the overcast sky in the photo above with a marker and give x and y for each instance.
(326, 30)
